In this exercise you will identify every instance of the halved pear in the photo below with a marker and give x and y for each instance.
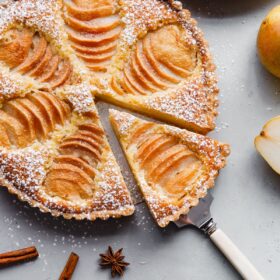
(268, 143)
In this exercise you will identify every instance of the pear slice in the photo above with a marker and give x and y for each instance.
(268, 143)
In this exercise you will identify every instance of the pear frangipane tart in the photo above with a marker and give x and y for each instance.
(174, 167)
(142, 54)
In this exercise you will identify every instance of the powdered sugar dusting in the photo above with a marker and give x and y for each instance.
(8, 87)
(33, 13)
(111, 194)
(123, 121)
(80, 96)
(212, 150)
(142, 15)
(192, 102)
(23, 168)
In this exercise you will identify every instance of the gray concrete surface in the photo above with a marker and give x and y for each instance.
(247, 195)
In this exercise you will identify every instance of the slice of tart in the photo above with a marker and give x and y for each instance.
(174, 167)
(54, 154)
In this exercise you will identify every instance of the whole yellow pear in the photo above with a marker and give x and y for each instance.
(268, 41)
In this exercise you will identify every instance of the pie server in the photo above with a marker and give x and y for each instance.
(200, 217)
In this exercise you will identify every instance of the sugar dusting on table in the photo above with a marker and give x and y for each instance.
(80, 96)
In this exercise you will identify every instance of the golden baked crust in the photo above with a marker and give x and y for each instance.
(147, 56)
(174, 167)
(54, 153)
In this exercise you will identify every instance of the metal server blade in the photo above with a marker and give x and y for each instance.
(200, 217)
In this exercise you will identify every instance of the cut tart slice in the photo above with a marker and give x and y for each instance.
(174, 167)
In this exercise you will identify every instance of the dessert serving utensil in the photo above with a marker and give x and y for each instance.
(200, 217)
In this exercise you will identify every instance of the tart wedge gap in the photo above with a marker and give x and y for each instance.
(174, 167)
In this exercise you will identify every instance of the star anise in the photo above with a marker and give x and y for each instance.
(114, 260)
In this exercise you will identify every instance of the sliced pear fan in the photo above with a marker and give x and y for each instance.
(93, 29)
(30, 54)
(268, 143)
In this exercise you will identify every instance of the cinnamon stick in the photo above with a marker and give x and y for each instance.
(69, 267)
(20, 255)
